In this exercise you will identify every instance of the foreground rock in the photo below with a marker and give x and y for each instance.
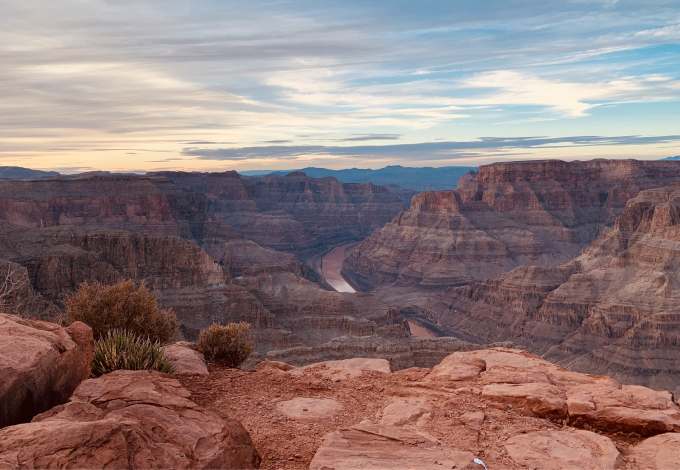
(508, 408)
(371, 446)
(661, 451)
(186, 359)
(126, 420)
(562, 450)
(41, 364)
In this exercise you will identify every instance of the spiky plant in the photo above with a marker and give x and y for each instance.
(230, 345)
(122, 350)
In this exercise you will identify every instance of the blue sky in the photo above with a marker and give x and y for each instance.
(214, 85)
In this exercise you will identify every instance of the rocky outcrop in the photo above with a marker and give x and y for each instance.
(371, 446)
(609, 311)
(502, 407)
(557, 450)
(128, 420)
(505, 215)
(294, 212)
(41, 364)
(186, 358)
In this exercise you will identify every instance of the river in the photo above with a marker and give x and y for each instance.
(331, 265)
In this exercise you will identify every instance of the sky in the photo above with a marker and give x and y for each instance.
(214, 85)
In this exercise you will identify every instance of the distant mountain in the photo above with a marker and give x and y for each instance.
(418, 179)
(677, 157)
(17, 172)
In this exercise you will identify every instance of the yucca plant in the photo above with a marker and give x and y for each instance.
(122, 350)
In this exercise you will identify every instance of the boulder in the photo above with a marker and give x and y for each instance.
(310, 410)
(459, 366)
(186, 359)
(127, 420)
(403, 412)
(662, 451)
(563, 450)
(630, 408)
(371, 446)
(41, 364)
(545, 400)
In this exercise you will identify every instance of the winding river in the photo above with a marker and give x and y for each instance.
(331, 266)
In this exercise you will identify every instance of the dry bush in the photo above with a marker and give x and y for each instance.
(121, 306)
(120, 350)
(229, 345)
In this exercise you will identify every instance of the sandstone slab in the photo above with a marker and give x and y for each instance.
(545, 400)
(457, 367)
(309, 409)
(403, 412)
(563, 450)
(662, 452)
(186, 359)
(41, 364)
(128, 420)
(368, 446)
(630, 408)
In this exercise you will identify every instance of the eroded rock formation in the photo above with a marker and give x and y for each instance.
(508, 408)
(505, 215)
(128, 420)
(41, 364)
(612, 310)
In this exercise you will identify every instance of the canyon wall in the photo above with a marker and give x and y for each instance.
(612, 310)
(505, 215)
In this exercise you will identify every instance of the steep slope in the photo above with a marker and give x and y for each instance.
(612, 310)
(505, 215)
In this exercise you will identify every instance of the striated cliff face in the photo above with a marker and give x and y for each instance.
(293, 212)
(503, 216)
(612, 310)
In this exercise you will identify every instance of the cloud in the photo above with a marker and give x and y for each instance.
(116, 78)
(422, 151)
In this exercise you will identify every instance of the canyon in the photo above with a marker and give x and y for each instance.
(538, 213)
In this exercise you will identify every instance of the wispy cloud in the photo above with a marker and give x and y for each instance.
(111, 84)
(433, 150)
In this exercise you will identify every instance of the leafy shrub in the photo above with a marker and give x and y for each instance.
(229, 345)
(121, 306)
(121, 350)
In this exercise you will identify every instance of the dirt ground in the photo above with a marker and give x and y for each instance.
(251, 398)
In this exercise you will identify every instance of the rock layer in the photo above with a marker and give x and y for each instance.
(610, 311)
(503, 216)
(41, 364)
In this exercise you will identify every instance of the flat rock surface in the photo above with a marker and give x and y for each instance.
(371, 447)
(563, 450)
(309, 409)
(41, 364)
(408, 419)
(662, 451)
(128, 419)
(346, 368)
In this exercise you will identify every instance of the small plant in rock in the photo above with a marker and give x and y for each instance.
(122, 350)
(229, 345)
(121, 306)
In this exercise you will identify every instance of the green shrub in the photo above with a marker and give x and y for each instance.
(121, 350)
(121, 306)
(229, 345)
